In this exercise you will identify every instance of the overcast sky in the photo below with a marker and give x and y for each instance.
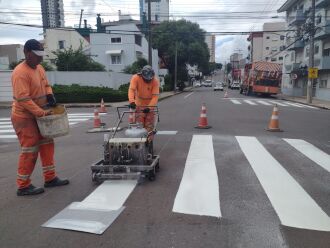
(212, 16)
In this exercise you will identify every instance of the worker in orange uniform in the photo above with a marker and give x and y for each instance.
(32, 93)
(143, 95)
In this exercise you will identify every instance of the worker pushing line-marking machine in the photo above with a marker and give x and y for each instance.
(131, 156)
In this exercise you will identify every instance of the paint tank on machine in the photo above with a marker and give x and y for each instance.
(136, 131)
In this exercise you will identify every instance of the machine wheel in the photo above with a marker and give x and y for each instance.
(152, 175)
(157, 167)
(95, 179)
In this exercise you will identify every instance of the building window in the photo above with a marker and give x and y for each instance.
(324, 83)
(292, 56)
(282, 37)
(267, 58)
(316, 49)
(115, 59)
(280, 58)
(116, 40)
(138, 40)
(273, 59)
(274, 49)
(61, 44)
(267, 37)
(326, 52)
(267, 48)
(318, 19)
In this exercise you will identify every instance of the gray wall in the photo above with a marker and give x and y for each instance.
(107, 79)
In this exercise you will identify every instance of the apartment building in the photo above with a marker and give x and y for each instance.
(160, 10)
(269, 44)
(52, 13)
(296, 61)
(210, 41)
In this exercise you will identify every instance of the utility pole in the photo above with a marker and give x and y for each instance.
(81, 12)
(149, 34)
(176, 65)
(311, 55)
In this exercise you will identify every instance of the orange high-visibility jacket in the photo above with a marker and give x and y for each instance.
(30, 87)
(142, 93)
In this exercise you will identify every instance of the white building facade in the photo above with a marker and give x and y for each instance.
(117, 50)
(210, 41)
(296, 61)
(159, 10)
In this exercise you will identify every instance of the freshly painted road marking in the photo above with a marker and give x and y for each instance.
(250, 102)
(235, 101)
(198, 193)
(294, 104)
(9, 136)
(77, 119)
(278, 103)
(293, 205)
(188, 95)
(6, 126)
(312, 152)
(263, 102)
(167, 132)
(4, 119)
(7, 131)
(5, 122)
(305, 106)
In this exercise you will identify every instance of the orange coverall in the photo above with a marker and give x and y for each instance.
(30, 87)
(146, 95)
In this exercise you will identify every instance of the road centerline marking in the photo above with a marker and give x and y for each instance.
(186, 96)
(293, 205)
(198, 192)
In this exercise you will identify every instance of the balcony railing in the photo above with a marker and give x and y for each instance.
(297, 45)
(323, 30)
(298, 17)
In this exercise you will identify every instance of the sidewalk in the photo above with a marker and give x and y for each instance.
(315, 102)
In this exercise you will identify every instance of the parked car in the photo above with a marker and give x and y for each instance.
(218, 86)
(207, 83)
(235, 86)
(198, 84)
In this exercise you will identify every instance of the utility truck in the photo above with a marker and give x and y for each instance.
(261, 78)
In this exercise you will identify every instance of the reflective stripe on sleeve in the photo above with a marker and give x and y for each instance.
(155, 94)
(23, 99)
(31, 149)
(45, 141)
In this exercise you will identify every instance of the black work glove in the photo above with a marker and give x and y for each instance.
(132, 105)
(146, 110)
(51, 100)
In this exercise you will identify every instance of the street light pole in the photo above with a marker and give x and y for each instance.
(311, 55)
(175, 65)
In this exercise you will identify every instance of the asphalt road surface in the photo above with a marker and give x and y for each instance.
(253, 166)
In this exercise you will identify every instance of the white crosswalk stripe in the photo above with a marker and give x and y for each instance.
(7, 131)
(254, 102)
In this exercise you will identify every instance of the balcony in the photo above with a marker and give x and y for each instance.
(297, 45)
(325, 63)
(298, 17)
(323, 31)
(322, 3)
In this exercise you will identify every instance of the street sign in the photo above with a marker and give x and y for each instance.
(313, 73)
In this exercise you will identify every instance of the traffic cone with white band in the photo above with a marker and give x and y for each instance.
(97, 120)
(203, 119)
(102, 108)
(274, 121)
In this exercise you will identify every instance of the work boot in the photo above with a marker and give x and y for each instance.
(56, 182)
(30, 190)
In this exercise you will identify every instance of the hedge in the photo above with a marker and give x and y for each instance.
(88, 94)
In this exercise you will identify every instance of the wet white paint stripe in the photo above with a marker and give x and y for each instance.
(250, 102)
(72, 123)
(167, 132)
(199, 189)
(5, 126)
(5, 122)
(235, 101)
(110, 195)
(293, 205)
(264, 103)
(78, 119)
(312, 152)
(188, 95)
(279, 103)
(85, 114)
(305, 106)
(4, 119)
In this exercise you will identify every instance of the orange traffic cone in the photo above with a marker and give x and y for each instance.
(274, 122)
(226, 94)
(97, 120)
(203, 119)
(102, 108)
(131, 116)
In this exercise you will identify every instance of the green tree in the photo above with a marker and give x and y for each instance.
(76, 60)
(184, 38)
(136, 66)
